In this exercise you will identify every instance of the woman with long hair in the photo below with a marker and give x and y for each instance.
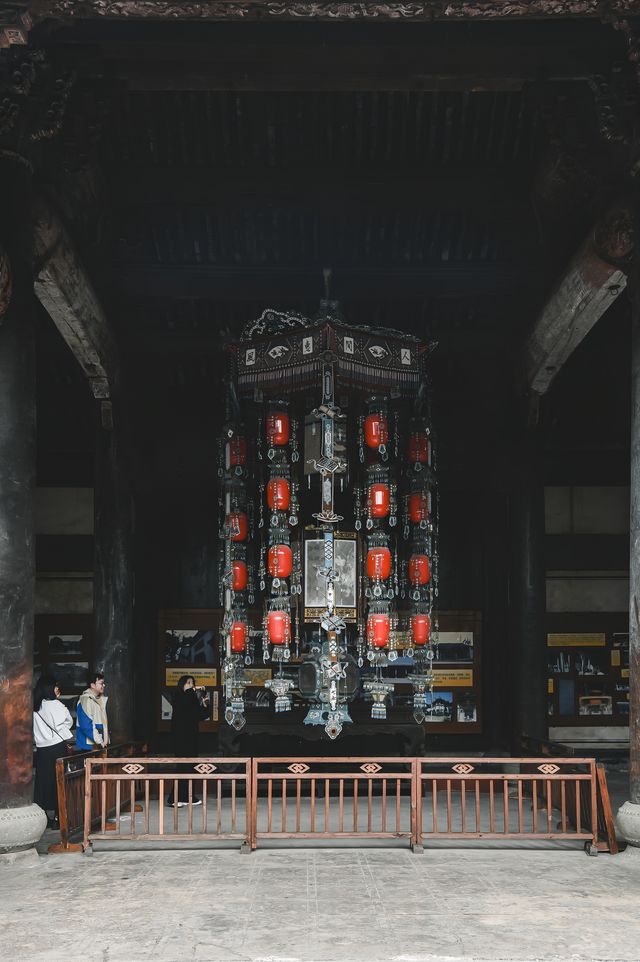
(190, 707)
(52, 726)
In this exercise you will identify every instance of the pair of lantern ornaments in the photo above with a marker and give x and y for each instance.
(320, 601)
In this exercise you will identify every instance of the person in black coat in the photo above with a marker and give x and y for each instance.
(190, 707)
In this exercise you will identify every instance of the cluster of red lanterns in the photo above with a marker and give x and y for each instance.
(236, 533)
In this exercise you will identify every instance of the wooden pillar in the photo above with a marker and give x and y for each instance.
(634, 574)
(528, 656)
(629, 814)
(21, 822)
(113, 575)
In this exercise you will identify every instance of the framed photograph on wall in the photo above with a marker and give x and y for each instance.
(64, 648)
(188, 645)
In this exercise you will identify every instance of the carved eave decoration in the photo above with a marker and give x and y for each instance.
(69, 10)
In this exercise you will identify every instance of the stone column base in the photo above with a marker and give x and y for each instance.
(22, 827)
(628, 821)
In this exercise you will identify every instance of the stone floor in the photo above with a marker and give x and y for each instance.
(322, 905)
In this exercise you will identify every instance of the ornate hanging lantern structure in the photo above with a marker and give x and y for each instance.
(331, 602)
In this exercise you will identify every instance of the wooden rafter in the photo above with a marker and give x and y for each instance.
(63, 287)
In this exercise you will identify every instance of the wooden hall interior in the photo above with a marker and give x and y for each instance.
(463, 173)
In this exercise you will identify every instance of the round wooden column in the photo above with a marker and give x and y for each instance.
(21, 822)
(629, 814)
(113, 576)
(528, 655)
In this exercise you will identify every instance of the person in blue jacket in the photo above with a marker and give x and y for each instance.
(92, 729)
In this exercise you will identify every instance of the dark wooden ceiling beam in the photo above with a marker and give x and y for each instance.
(594, 278)
(457, 65)
(231, 283)
(64, 289)
(489, 191)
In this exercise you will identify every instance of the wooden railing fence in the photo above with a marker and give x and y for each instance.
(417, 799)
(220, 812)
(525, 797)
(332, 798)
(70, 781)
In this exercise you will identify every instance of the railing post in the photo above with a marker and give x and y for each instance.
(87, 804)
(63, 802)
(594, 803)
(248, 846)
(254, 803)
(416, 807)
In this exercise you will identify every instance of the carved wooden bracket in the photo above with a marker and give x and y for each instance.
(33, 101)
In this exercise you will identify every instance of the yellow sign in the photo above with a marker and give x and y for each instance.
(203, 676)
(615, 657)
(550, 686)
(594, 639)
(256, 676)
(624, 672)
(453, 678)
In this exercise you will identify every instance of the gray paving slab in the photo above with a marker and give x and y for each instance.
(322, 905)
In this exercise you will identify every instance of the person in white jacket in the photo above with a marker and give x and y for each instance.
(52, 724)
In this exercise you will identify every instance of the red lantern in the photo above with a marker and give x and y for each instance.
(419, 506)
(237, 451)
(379, 563)
(278, 494)
(419, 447)
(376, 430)
(238, 635)
(237, 525)
(419, 573)
(278, 428)
(378, 499)
(378, 628)
(420, 629)
(280, 561)
(239, 575)
(278, 627)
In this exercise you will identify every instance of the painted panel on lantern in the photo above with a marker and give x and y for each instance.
(344, 552)
(589, 639)
(203, 676)
(456, 678)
